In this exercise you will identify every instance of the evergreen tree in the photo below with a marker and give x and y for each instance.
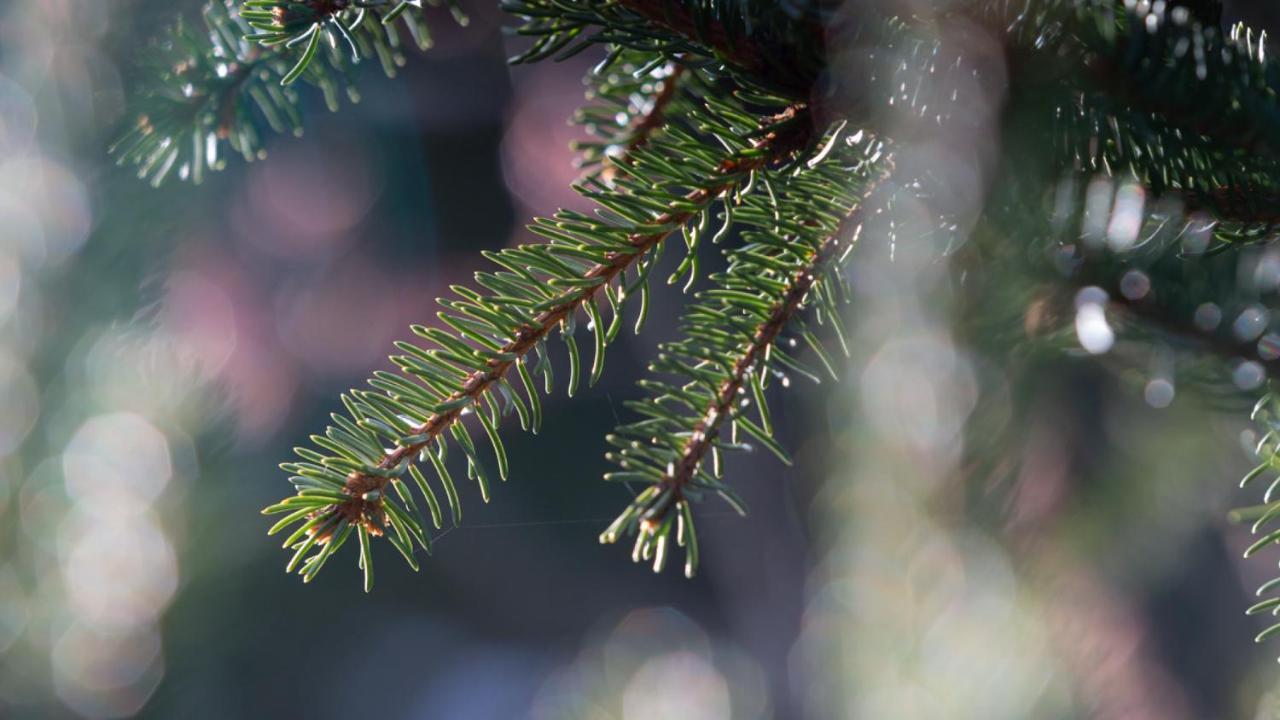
(1137, 166)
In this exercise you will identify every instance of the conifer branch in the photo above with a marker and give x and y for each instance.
(306, 23)
(734, 41)
(780, 315)
(649, 123)
(1142, 110)
(731, 337)
(629, 104)
(679, 18)
(773, 146)
(738, 39)
(1266, 418)
(224, 80)
(348, 485)
(1176, 69)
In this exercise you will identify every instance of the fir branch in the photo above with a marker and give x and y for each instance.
(780, 315)
(355, 24)
(1178, 103)
(347, 484)
(225, 80)
(630, 101)
(649, 123)
(1169, 64)
(771, 147)
(714, 25)
(201, 80)
(684, 20)
(1168, 60)
(1131, 113)
(1266, 418)
(741, 39)
(731, 337)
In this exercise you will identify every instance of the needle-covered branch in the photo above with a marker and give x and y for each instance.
(671, 184)
(1266, 418)
(731, 351)
(743, 39)
(630, 100)
(221, 83)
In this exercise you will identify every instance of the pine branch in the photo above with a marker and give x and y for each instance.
(311, 23)
(224, 81)
(727, 36)
(1266, 417)
(770, 148)
(1132, 118)
(649, 123)
(683, 19)
(731, 337)
(631, 101)
(1183, 68)
(780, 315)
(1169, 60)
(741, 39)
(1178, 103)
(670, 183)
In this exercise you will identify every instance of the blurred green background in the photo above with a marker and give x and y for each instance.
(957, 539)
